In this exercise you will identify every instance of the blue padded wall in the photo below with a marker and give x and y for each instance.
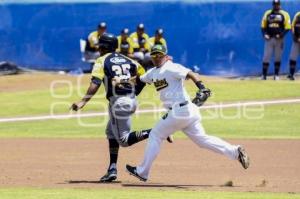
(216, 38)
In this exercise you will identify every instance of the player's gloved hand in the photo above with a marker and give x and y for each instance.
(267, 37)
(201, 96)
(77, 106)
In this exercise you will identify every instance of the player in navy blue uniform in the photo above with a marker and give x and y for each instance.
(115, 71)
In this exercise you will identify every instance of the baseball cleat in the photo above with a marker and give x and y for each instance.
(132, 171)
(170, 139)
(243, 157)
(276, 77)
(110, 176)
(291, 77)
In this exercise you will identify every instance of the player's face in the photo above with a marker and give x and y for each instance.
(140, 32)
(124, 37)
(158, 59)
(101, 31)
(276, 7)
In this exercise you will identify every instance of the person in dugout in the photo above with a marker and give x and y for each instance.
(295, 50)
(275, 24)
(141, 47)
(92, 42)
(125, 45)
(158, 38)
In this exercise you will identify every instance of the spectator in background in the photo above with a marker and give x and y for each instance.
(158, 38)
(295, 51)
(92, 42)
(275, 24)
(125, 45)
(141, 48)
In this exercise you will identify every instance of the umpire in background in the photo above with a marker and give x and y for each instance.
(275, 24)
(295, 51)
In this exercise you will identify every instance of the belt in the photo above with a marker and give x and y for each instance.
(181, 104)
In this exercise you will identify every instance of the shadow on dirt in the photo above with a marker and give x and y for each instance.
(90, 182)
(176, 186)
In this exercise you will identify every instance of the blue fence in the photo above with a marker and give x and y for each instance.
(216, 38)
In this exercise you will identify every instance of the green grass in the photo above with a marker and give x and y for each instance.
(278, 121)
(39, 102)
(133, 194)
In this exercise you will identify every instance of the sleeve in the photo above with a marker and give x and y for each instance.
(130, 45)
(179, 71)
(119, 44)
(294, 21)
(140, 70)
(93, 40)
(98, 69)
(264, 20)
(287, 22)
(147, 77)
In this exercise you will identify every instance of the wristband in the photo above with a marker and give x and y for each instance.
(200, 85)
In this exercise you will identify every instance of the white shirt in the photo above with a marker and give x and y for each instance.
(168, 80)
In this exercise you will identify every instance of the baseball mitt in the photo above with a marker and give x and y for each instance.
(201, 96)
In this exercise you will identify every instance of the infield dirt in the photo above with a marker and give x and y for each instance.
(79, 163)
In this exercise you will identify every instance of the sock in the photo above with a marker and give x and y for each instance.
(277, 68)
(113, 152)
(292, 67)
(137, 136)
(265, 69)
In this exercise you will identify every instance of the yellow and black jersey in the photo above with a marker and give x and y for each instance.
(112, 65)
(124, 47)
(296, 25)
(274, 23)
(161, 41)
(92, 41)
(140, 43)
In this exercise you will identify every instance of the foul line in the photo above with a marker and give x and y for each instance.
(83, 115)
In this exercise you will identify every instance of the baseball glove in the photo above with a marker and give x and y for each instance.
(201, 96)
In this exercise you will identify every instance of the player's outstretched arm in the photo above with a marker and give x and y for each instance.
(93, 88)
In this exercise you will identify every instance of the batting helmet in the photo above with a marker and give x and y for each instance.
(108, 42)
(276, 2)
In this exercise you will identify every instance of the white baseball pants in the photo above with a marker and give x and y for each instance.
(187, 119)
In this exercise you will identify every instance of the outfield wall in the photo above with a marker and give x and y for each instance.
(220, 38)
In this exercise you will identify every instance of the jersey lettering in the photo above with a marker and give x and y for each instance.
(160, 84)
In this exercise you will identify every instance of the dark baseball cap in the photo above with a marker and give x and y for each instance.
(102, 25)
(276, 2)
(141, 26)
(159, 31)
(158, 48)
(125, 31)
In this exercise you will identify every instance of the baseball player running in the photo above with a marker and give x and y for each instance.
(121, 96)
(168, 78)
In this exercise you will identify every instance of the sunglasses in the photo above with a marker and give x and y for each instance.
(157, 55)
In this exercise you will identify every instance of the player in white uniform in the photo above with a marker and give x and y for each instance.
(183, 115)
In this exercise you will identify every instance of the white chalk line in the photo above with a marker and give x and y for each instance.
(83, 115)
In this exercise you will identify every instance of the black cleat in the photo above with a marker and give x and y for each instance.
(291, 77)
(243, 157)
(110, 176)
(170, 139)
(132, 171)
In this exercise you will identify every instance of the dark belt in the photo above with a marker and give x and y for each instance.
(181, 104)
